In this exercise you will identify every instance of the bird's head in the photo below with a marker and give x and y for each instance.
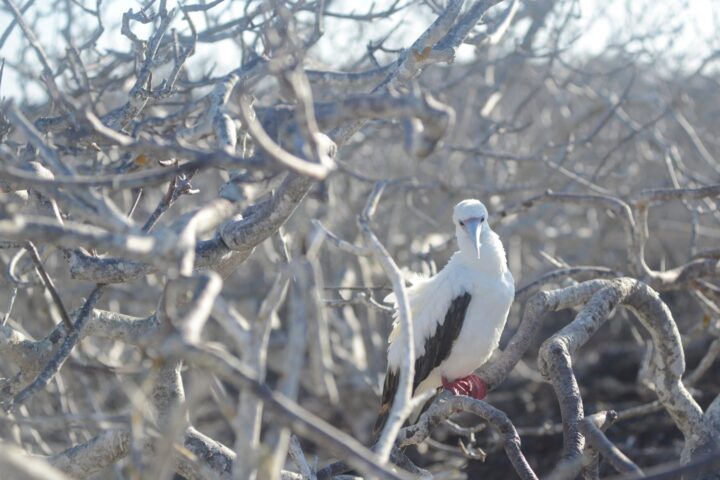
(470, 218)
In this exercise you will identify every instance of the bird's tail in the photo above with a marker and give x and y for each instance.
(390, 387)
(385, 411)
(380, 423)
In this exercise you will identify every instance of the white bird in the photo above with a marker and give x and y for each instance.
(458, 315)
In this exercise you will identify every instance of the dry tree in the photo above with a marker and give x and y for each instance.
(203, 203)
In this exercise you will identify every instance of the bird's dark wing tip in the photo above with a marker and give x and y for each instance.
(389, 389)
(381, 419)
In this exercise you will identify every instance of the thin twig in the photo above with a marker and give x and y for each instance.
(49, 285)
(62, 354)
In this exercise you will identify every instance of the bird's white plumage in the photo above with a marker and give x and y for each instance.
(489, 282)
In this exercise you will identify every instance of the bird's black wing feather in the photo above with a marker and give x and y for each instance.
(439, 345)
(437, 349)
(392, 378)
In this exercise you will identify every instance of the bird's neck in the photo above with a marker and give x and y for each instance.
(492, 258)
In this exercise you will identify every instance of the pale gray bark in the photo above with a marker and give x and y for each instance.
(156, 205)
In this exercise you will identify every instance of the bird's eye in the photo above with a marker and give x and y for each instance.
(482, 219)
(462, 224)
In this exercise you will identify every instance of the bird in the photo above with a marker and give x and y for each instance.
(458, 314)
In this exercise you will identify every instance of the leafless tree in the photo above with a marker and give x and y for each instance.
(195, 254)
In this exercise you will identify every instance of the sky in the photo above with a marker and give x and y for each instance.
(598, 21)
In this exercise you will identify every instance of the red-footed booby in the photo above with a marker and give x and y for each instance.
(458, 314)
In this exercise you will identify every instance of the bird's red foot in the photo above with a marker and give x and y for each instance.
(471, 386)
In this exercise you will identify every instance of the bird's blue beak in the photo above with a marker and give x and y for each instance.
(474, 229)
